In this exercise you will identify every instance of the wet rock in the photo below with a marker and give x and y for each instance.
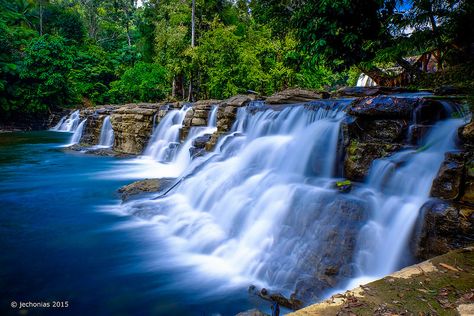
(144, 186)
(447, 184)
(295, 96)
(367, 91)
(92, 129)
(383, 107)
(337, 220)
(200, 142)
(196, 152)
(360, 155)
(443, 226)
(368, 130)
(417, 132)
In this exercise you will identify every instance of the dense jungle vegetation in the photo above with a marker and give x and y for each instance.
(70, 52)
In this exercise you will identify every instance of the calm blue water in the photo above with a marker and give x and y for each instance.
(57, 243)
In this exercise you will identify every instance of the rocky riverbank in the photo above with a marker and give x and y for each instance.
(443, 285)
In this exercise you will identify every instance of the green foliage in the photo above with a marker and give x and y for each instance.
(144, 82)
(100, 51)
(44, 69)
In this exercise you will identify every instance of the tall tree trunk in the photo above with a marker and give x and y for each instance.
(40, 17)
(190, 94)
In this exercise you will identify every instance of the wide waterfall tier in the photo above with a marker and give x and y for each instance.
(68, 124)
(254, 204)
(106, 134)
(265, 206)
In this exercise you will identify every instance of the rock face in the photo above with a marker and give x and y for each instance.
(444, 226)
(448, 183)
(360, 155)
(323, 269)
(197, 116)
(226, 115)
(133, 125)
(295, 96)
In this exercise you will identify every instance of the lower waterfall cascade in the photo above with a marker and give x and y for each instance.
(106, 134)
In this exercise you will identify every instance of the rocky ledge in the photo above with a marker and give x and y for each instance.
(440, 286)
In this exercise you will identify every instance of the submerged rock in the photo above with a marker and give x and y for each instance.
(144, 186)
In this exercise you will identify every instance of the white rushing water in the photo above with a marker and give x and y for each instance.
(365, 81)
(397, 187)
(76, 137)
(164, 155)
(68, 124)
(263, 208)
(106, 139)
(165, 139)
(242, 214)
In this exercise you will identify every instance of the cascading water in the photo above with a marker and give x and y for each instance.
(365, 81)
(76, 137)
(397, 187)
(106, 134)
(68, 124)
(243, 212)
(263, 208)
(165, 139)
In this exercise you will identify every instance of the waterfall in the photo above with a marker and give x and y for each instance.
(106, 133)
(250, 210)
(365, 81)
(67, 124)
(76, 137)
(212, 121)
(263, 208)
(397, 187)
(164, 142)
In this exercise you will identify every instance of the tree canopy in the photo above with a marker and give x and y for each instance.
(56, 53)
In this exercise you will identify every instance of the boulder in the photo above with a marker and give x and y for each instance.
(443, 226)
(295, 96)
(144, 186)
(383, 107)
(360, 155)
(448, 183)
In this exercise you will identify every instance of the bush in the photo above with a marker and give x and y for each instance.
(145, 82)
